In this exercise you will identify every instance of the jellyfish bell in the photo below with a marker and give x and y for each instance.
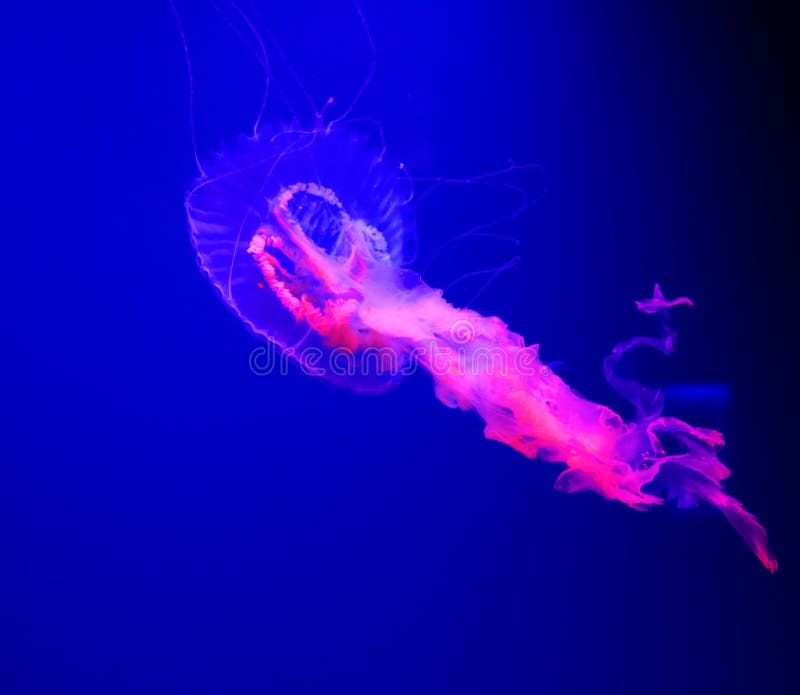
(285, 225)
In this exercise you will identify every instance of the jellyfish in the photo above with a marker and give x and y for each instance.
(307, 231)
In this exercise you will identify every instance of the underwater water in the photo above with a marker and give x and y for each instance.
(186, 516)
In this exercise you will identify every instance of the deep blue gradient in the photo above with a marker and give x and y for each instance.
(174, 523)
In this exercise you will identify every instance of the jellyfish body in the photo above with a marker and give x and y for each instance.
(330, 188)
(305, 235)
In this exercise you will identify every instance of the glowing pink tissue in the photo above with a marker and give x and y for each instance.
(305, 242)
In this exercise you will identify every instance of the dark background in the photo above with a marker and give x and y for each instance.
(174, 523)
